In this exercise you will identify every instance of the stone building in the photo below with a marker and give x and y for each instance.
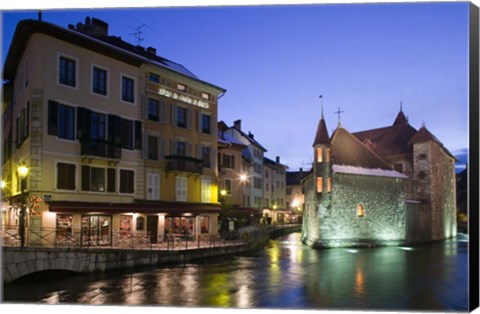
(117, 140)
(384, 186)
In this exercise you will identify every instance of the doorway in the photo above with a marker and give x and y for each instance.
(152, 228)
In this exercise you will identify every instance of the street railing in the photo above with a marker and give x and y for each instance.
(61, 238)
(71, 238)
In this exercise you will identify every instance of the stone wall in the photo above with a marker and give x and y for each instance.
(333, 220)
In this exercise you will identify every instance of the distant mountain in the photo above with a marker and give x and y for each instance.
(462, 157)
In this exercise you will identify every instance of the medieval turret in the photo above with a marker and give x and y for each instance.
(322, 158)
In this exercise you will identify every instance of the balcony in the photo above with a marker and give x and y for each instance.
(184, 164)
(101, 148)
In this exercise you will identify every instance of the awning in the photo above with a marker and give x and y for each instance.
(168, 208)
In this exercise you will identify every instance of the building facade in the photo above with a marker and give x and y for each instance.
(384, 186)
(253, 153)
(275, 198)
(105, 129)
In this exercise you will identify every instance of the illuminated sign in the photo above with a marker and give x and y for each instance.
(186, 99)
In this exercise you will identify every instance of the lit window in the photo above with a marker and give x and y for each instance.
(319, 185)
(360, 211)
(319, 154)
(329, 185)
(206, 96)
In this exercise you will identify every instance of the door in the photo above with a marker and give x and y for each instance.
(152, 228)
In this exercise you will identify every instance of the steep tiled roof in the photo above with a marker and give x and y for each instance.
(423, 135)
(400, 119)
(387, 141)
(349, 150)
(295, 177)
(321, 137)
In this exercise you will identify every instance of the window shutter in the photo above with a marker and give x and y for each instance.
(161, 145)
(149, 186)
(161, 111)
(17, 129)
(83, 123)
(85, 178)
(111, 180)
(138, 135)
(156, 187)
(27, 120)
(52, 117)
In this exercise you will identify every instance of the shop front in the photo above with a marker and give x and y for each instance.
(100, 224)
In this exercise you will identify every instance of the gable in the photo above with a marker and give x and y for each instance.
(348, 150)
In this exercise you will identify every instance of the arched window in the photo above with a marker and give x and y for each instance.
(360, 210)
(140, 223)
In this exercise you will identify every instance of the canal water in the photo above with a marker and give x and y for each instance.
(285, 274)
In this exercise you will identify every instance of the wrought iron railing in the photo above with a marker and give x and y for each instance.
(183, 163)
(63, 238)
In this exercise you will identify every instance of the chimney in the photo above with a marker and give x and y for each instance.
(39, 15)
(152, 50)
(250, 135)
(237, 124)
(93, 27)
(277, 159)
(301, 170)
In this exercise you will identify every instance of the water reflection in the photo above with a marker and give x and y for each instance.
(285, 274)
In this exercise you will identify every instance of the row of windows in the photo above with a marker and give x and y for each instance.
(181, 116)
(68, 76)
(98, 179)
(279, 202)
(156, 150)
(92, 126)
(95, 179)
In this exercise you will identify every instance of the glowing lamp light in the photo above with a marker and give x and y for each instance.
(243, 177)
(274, 206)
(3, 184)
(223, 192)
(22, 171)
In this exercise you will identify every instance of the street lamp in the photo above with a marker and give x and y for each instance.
(22, 173)
(243, 177)
(223, 192)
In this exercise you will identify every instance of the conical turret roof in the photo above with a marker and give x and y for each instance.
(400, 119)
(321, 137)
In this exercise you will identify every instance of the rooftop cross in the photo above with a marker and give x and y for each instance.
(339, 112)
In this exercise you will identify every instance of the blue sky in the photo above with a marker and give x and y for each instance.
(275, 61)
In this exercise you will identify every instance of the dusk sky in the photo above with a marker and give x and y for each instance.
(275, 61)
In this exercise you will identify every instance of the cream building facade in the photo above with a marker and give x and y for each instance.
(79, 117)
